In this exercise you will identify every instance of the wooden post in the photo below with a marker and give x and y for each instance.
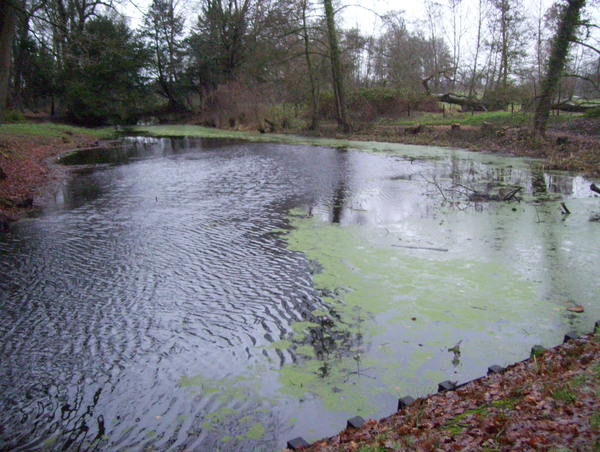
(409, 109)
(443, 110)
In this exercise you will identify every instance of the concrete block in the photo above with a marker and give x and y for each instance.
(355, 422)
(446, 386)
(297, 443)
(404, 402)
(495, 369)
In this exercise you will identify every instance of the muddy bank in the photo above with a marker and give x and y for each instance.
(31, 176)
(572, 146)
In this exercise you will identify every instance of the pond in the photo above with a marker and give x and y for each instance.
(215, 294)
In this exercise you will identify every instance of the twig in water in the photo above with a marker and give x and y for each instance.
(422, 248)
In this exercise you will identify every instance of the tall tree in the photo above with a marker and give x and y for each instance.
(104, 75)
(314, 89)
(476, 51)
(8, 16)
(456, 37)
(565, 34)
(224, 26)
(163, 28)
(336, 68)
(507, 48)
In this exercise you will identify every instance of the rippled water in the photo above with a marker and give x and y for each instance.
(158, 305)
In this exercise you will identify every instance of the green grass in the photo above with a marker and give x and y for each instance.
(595, 421)
(564, 394)
(500, 118)
(371, 449)
(456, 426)
(53, 130)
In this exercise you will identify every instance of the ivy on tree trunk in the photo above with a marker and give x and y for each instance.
(7, 32)
(569, 20)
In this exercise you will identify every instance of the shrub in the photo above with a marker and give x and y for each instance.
(594, 113)
(11, 116)
(371, 104)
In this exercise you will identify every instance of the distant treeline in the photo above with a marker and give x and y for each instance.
(243, 61)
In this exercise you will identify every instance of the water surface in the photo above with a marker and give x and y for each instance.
(219, 295)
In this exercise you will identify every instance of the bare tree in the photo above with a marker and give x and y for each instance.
(336, 68)
(509, 34)
(477, 50)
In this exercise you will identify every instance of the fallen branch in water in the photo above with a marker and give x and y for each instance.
(421, 248)
(512, 194)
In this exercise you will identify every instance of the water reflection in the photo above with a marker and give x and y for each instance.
(160, 305)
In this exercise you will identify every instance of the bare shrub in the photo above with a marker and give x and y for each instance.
(243, 105)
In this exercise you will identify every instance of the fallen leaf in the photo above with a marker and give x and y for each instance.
(575, 309)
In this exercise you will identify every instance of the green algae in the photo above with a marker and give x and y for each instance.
(190, 131)
(281, 345)
(256, 432)
(306, 350)
(50, 441)
(387, 301)
(414, 153)
(301, 327)
(208, 386)
(219, 415)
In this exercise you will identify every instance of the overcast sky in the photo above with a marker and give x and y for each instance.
(353, 16)
(363, 16)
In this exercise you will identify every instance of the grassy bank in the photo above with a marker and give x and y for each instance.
(572, 143)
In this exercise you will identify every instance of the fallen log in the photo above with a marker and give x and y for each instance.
(512, 194)
(444, 250)
(573, 107)
(463, 101)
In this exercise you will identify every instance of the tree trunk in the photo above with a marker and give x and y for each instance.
(314, 97)
(336, 68)
(569, 20)
(7, 33)
(463, 101)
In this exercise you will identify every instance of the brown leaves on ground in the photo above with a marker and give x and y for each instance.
(24, 161)
(546, 403)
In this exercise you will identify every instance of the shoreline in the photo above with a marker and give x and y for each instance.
(562, 150)
(550, 397)
(546, 402)
(28, 160)
(32, 175)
